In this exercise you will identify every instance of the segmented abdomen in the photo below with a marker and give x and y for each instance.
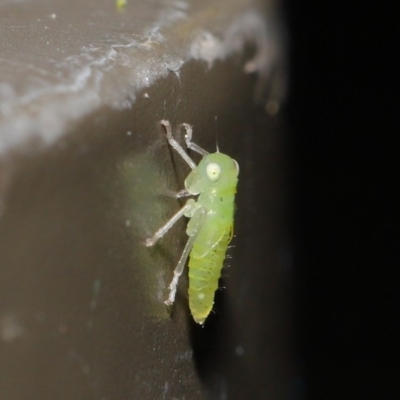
(204, 274)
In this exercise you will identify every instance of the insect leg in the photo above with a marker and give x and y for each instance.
(187, 209)
(189, 143)
(175, 145)
(185, 254)
(183, 193)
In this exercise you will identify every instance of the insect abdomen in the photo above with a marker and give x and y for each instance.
(204, 274)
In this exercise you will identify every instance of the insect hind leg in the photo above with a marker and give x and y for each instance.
(178, 271)
(185, 254)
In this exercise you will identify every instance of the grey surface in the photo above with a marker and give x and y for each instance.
(86, 175)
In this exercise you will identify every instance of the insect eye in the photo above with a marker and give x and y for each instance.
(213, 172)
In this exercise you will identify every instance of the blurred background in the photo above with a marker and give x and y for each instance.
(342, 114)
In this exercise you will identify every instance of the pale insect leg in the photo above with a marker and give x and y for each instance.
(176, 145)
(177, 195)
(189, 143)
(185, 254)
(183, 193)
(187, 209)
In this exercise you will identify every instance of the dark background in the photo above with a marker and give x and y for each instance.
(342, 110)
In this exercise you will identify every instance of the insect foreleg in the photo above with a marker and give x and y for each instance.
(189, 143)
(175, 145)
(200, 217)
(187, 210)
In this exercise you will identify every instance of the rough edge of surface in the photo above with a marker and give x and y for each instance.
(114, 79)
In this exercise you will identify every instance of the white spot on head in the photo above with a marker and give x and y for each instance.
(213, 172)
(201, 296)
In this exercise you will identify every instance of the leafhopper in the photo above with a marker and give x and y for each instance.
(210, 227)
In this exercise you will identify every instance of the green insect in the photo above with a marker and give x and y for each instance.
(210, 227)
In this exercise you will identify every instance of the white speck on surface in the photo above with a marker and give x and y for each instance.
(10, 327)
(165, 389)
(207, 47)
(200, 296)
(185, 356)
(239, 351)
(53, 16)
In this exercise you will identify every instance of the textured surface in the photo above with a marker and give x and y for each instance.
(86, 175)
(60, 61)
